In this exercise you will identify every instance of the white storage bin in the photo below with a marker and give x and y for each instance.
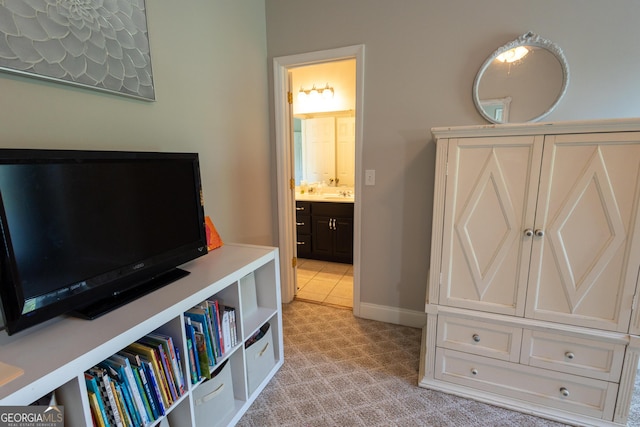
(260, 359)
(213, 399)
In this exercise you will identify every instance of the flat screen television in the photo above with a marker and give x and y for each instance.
(84, 232)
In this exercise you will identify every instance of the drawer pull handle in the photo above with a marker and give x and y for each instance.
(564, 391)
(299, 223)
(569, 355)
(300, 243)
(299, 209)
(263, 350)
(476, 337)
(474, 371)
(211, 395)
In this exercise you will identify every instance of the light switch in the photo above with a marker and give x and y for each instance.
(370, 177)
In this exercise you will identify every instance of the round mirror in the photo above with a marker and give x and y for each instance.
(522, 81)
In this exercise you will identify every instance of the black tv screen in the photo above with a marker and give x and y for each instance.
(87, 231)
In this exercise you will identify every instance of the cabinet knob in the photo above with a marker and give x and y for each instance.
(474, 371)
(476, 337)
(564, 391)
(528, 232)
(539, 232)
(569, 355)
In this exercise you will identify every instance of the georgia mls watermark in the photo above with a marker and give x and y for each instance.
(31, 416)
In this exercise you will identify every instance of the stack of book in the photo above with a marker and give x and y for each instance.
(212, 332)
(137, 385)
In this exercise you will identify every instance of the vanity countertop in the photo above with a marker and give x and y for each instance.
(324, 197)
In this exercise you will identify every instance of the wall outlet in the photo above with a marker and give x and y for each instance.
(370, 177)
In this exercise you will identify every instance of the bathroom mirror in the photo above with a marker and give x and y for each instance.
(522, 81)
(324, 148)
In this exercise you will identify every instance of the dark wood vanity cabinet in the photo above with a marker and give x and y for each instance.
(330, 234)
(303, 229)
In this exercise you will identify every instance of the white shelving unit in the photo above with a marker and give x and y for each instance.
(55, 354)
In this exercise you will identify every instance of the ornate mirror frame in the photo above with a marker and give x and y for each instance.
(527, 39)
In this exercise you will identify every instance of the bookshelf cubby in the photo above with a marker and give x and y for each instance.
(55, 354)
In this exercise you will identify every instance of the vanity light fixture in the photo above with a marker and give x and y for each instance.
(326, 92)
(513, 55)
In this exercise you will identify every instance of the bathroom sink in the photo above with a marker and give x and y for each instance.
(338, 197)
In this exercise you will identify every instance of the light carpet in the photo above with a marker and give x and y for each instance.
(340, 370)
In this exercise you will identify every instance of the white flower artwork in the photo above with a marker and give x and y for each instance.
(99, 44)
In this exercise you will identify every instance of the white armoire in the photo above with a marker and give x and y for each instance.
(535, 256)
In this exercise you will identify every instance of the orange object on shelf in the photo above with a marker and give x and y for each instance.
(213, 238)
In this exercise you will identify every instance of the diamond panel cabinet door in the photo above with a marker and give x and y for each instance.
(490, 199)
(582, 261)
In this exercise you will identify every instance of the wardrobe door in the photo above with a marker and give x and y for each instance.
(489, 206)
(585, 258)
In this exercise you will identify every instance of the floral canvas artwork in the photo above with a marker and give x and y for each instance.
(99, 44)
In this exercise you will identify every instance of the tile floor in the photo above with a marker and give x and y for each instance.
(325, 282)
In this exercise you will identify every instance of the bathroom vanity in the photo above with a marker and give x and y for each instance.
(324, 227)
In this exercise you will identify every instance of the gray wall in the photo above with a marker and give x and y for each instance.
(421, 57)
(212, 72)
(209, 64)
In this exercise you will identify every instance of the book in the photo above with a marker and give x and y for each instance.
(124, 415)
(117, 386)
(122, 365)
(141, 379)
(153, 385)
(179, 360)
(96, 415)
(200, 315)
(171, 350)
(151, 355)
(165, 364)
(226, 330)
(202, 354)
(191, 335)
(192, 362)
(92, 387)
(146, 398)
(109, 399)
(214, 308)
(232, 325)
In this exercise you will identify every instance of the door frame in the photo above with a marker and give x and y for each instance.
(284, 161)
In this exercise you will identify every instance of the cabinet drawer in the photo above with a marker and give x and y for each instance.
(303, 245)
(303, 208)
(260, 358)
(479, 337)
(573, 354)
(214, 396)
(567, 392)
(303, 224)
(334, 210)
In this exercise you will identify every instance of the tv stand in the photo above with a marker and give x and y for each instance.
(244, 276)
(140, 289)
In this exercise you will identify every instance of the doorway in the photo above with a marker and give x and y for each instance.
(283, 97)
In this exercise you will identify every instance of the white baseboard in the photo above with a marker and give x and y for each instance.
(395, 315)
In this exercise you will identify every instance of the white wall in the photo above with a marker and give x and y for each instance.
(209, 63)
(420, 61)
